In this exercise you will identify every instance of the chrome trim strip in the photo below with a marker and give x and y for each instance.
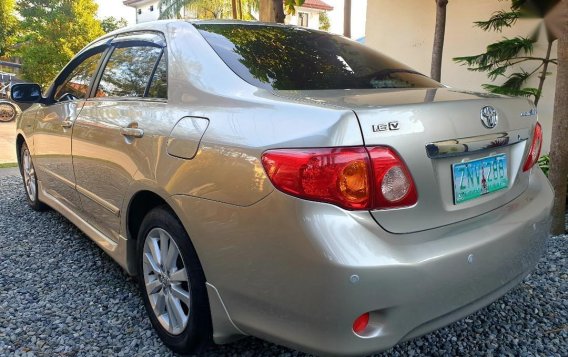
(463, 146)
(104, 204)
(58, 177)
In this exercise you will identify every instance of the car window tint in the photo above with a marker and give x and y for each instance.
(76, 85)
(294, 58)
(159, 85)
(128, 71)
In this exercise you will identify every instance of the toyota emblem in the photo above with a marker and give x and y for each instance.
(489, 117)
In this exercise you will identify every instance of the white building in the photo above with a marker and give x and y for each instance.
(146, 10)
(308, 14)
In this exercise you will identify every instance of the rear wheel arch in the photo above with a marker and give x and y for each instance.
(142, 203)
(19, 142)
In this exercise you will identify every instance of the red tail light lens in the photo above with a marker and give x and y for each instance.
(395, 185)
(361, 323)
(352, 178)
(335, 175)
(534, 151)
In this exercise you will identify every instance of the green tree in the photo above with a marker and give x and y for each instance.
(52, 33)
(501, 56)
(325, 24)
(269, 10)
(111, 23)
(212, 9)
(504, 56)
(8, 25)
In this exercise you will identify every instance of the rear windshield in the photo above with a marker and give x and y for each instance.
(295, 58)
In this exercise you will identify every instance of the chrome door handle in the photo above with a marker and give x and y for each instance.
(132, 132)
(66, 124)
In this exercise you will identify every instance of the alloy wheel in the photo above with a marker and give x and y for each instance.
(166, 281)
(29, 175)
(7, 112)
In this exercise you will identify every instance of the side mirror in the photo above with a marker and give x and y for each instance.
(25, 93)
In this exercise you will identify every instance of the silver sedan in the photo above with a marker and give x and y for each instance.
(286, 183)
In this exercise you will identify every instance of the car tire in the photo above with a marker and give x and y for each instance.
(29, 178)
(8, 112)
(177, 303)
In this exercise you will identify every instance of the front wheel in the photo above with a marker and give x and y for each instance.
(172, 283)
(8, 112)
(30, 180)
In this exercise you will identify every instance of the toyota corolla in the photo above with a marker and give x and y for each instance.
(286, 183)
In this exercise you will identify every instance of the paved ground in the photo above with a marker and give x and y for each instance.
(7, 142)
(60, 295)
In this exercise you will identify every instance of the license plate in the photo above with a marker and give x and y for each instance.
(476, 178)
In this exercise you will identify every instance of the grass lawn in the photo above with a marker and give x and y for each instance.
(9, 164)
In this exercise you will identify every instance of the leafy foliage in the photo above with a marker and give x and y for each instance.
(8, 25)
(52, 32)
(211, 9)
(111, 23)
(499, 20)
(325, 24)
(171, 9)
(499, 56)
(502, 57)
(290, 6)
(544, 163)
(217, 9)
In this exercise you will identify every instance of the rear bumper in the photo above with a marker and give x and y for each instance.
(304, 273)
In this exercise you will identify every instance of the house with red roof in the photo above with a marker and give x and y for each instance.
(308, 15)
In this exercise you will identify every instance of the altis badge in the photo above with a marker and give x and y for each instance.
(530, 113)
(393, 125)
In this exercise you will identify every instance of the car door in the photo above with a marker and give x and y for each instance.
(54, 125)
(110, 144)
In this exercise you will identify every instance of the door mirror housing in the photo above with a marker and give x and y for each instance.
(26, 93)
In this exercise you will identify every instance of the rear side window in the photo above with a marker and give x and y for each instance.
(293, 58)
(128, 72)
(76, 85)
(159, 85)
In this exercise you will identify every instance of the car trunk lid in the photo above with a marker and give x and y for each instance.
(434, 130)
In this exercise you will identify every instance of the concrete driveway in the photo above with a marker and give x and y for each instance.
(8, 142)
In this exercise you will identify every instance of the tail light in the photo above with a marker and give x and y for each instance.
(353, 178)
(361, 323)
(395, 185)
(534, 151)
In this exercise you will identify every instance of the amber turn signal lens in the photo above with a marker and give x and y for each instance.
(354, 183)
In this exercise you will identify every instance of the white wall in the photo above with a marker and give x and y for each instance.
(404, 29)
(313, 17)
(146, 14)
(358, 19)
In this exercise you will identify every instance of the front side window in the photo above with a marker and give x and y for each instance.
(76, 85)
(295, 58)
(128, 72)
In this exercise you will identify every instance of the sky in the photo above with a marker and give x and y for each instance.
(115, 8)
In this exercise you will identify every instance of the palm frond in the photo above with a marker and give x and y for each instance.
(170, 9)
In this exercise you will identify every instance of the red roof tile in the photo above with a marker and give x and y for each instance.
(317, 4)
